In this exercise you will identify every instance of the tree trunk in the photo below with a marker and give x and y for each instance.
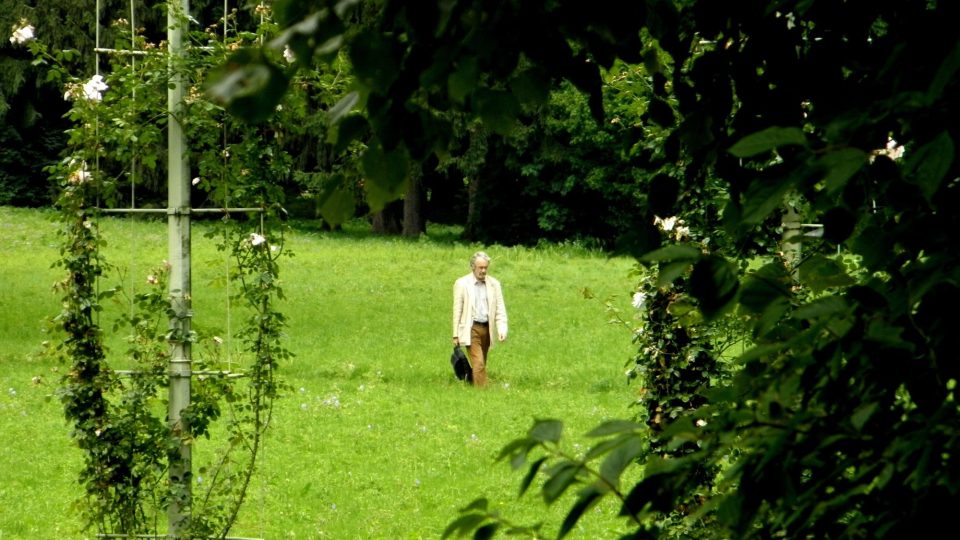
(388, 220)
(414, 221)
(472, 227)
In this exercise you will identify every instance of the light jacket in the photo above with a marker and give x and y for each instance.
(464, 291)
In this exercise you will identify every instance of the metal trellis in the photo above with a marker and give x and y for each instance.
(178, 213)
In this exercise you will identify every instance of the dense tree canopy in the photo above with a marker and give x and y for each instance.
(842, 420)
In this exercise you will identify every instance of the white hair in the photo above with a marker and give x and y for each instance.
(478, 255)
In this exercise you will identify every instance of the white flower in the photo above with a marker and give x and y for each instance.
(22, 34)
(639, 300)
(894, 150)
(79, 175)
(217, 340)
(701, 422)
(94, 88)
(152, 280)
(256, 239)
(195, 181)
(288, 55)
(91, 90)
(665, 224)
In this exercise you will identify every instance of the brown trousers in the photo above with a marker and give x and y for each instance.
(479, 345)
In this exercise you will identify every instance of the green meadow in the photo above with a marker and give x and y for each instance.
(375, 438)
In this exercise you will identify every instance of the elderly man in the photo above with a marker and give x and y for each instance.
(478, 313)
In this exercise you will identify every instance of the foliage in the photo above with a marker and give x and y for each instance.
(842, 420)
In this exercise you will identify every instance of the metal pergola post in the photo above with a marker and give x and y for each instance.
(178, 240)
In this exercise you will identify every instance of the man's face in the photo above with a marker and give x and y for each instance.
(480, 269)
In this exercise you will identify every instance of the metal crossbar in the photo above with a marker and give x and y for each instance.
(177, 211)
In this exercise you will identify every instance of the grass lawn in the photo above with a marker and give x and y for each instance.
(376, 438)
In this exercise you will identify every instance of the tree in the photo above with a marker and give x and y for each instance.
(843, 419)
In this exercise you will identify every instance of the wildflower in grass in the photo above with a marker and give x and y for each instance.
(288, 55)
(153, 280)
(217, 340)
(639, 300)
(333, 402)
(22, 33)
(256, 239)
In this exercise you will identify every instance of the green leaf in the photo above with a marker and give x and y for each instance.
(249, 86)
(820, 273)
(672, 253)
(662, 195)
(620, 458)
(352, 128)
(517, 447)
(343, 107)
(587, 499)
(497, 109)
(767, 140)
(874, 246)
(660, 112)
(480, 504)
(670, 272)
(386, 176)
(821, 308)
(561, 477)
(614, 427)
(767, 286)
(714, 284)
(764, 196)
(463, 80)
(531, 474)
(463, 525)
(841, 165)
(930, 164)
(486, 532)
(546, 430)
(375, 59)
(531, 87)
(862, 414)
(946, 74)
(336, 203)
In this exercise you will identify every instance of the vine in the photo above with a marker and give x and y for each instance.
(118, 415)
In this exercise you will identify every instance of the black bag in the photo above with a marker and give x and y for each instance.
(461, 366)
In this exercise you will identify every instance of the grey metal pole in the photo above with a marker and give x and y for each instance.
(178, 239)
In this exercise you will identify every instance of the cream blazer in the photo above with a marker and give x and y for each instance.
(464, 291)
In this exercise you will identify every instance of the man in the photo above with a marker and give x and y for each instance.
(478, 312)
